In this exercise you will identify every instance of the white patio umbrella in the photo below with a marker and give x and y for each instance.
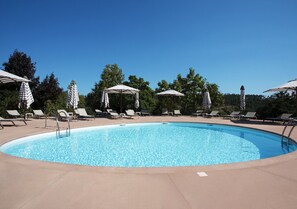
(6, 77)
(104, 99)
(290, 85)
(121, 89)
(242, 98)
(25, 96)
(206, 103)
(72, 95)
(170, 93)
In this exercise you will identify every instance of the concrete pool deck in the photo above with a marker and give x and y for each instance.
(28, 184)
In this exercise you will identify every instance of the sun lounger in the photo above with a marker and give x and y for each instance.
(12, 120)
(235, 114)
(176, 112)
(249, 115)
(145, 112)
(197, 113)
(283, 118)
(82, 114)
(130, 113)
(214, 113)
(63, 115)
(164, 111)
(114, 115)
(14, 113)
(38, 114)
(99, 113)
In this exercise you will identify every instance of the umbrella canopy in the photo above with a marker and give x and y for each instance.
(6, 77)
(206, 100)
(72, 95)
(25, 96)
(242, 98)
(291, 85)
(121, 89)
(170, 93)
(104, 99)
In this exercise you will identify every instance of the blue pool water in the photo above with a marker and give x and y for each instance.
(151, 145)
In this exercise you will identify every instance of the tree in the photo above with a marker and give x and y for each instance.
(110, 76)
(48, 90)
(21, 64)
(192, 86)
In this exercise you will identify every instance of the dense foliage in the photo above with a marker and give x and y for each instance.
(49, 96)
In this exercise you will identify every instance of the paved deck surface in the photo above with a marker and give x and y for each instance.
(28, 184)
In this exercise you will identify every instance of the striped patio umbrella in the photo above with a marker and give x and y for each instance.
(25, 96)
(242, 98)
(6, 77)
(72, 95)
(206, 100)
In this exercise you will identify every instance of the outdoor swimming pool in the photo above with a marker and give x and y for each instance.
(151, 145)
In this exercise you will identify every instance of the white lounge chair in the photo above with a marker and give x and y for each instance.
(14, 113)
(99, 113)
(234, 114)
(131, 113)
(82, 113)
(38, 114)
(249, 115)
(144, 112)
(12, 120)
(176, 112)
(285, 117)
(164, 111)
(197, 113)
(213, 113)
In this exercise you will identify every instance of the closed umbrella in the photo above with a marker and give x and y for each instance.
(105, 99)
(121, 89)
(242, 98)
(137, 100)
(72, 95)
(206, 100)
(25, 96)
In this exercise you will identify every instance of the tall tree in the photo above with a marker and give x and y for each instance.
(21, 64)
(110, 76)
(47, 90)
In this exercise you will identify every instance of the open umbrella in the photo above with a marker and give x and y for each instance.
(289, 86)
(170, 92)
(72, 95)
(25, 96)
(6, 77)
(206, 103)
(121, 89)
(242, 98)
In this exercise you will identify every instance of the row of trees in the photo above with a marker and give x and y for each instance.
(49, 96)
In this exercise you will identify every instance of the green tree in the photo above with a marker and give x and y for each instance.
(21, 64)
(48, 90)
(110, 76)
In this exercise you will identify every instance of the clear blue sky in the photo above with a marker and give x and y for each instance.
(230, 43)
